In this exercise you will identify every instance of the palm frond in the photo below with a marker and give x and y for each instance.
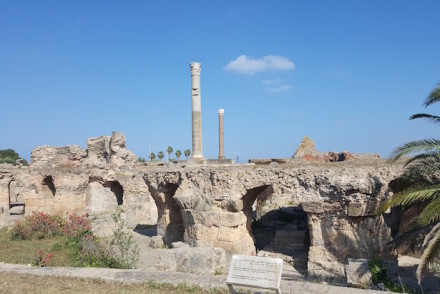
(430, 214)
(424, 164)
(419, 193)
(429, 254)
(432, 118)
(433, 230)
(433, 97)
(410, 239)
(427, 145)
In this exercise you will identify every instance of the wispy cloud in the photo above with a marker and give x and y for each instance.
(271, 82)
(276, 85)
(248, 65)
(281, 88)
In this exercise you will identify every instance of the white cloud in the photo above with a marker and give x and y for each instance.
(281, 88)
(248, 65)
(271, 82)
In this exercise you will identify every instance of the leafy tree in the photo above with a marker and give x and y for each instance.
(169, 151)
(419, 186)
(178, 154)
(152, 156)
(187, 153)
(160, 155)
(141, 159)
(10, 156)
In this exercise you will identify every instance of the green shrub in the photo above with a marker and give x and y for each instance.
(122, 247)
(42, 260)
(11, 157)
(85, 249)
(37, 225)
(77, 226)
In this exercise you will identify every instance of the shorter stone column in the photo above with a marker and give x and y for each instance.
(221, 143)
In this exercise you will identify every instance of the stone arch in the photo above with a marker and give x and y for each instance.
(117, 189)
(169, 219)
(254, 199)
(104, 195)
(278, 227)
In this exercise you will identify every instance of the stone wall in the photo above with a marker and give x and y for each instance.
(211, 205)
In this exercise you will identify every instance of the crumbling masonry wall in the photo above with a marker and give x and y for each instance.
(210, 205)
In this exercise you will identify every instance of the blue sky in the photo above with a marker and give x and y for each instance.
(348, 74)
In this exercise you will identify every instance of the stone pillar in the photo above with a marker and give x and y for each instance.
(196, 112)
(221, 142)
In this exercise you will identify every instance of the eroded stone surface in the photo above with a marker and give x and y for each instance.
(211, 206)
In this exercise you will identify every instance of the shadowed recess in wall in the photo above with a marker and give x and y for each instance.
(48, 181)
(169, 220)
(117, 189)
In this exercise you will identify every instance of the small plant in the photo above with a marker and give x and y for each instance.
(77, 226)
(42, 260)
(379, 275)
(38, 225)
(141, 159)
(122, 247)
(218, 271)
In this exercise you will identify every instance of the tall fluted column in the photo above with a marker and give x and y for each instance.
(221, 142)
(196, 111)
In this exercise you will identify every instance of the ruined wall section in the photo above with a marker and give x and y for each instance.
(69, 179)
(216, 205)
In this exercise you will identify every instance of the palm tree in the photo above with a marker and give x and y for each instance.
(169, 151)
(420, 187)
(152, 156)
(178, 154)
(160, 155)
(187, 153)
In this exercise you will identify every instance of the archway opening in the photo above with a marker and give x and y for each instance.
(169, 219)
(49, 183)
(279, 229)
(117, 189)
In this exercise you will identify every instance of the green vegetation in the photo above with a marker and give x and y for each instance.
(43, 237)
(187, 153)
(379, 275)
(420, 188)
(152, 156)
(26, 251)
(160, 155)
(178, 154)
(141, 159)
(169, 151)
(10, 156)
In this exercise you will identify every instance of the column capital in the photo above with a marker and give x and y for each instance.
(195, 68)
(221, 111)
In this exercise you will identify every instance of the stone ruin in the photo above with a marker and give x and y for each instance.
(314, 216)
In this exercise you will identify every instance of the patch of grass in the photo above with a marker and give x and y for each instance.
(23, 283)
(24, 251)
(43, 239)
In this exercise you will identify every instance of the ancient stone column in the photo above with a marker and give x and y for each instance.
(221, 142)
(196, 112)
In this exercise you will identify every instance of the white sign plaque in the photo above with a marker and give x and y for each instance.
(254, 271)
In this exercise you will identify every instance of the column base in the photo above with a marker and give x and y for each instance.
(198, 160)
